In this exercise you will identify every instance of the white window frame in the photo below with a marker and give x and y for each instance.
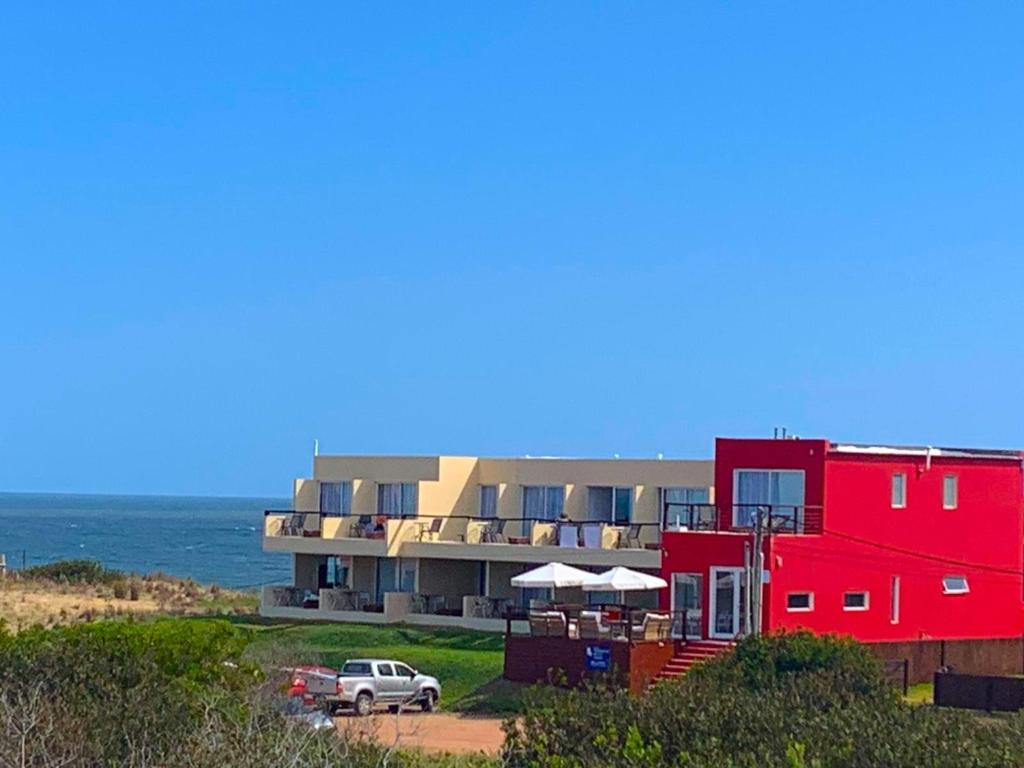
(956, 491)
(947, 590)
(810, 601)
(892, 491)
(614, 489)
(867, 600)
(894, 600)
(798, 512)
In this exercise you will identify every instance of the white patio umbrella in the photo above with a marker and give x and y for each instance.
(620, 579)
(552, 575)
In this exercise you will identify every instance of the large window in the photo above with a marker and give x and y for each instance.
(610, 505)
(488, 501)
(949, 492)
(395, 574)
(781, 490)
(397, 499)
(336, 498)
(898, 491)
(543, 502)
(685, 508)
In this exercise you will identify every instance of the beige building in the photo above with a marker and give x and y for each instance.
(436, 539)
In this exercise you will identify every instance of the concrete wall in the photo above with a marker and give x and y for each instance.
(305, 571)
(452, 578)
(364, 574)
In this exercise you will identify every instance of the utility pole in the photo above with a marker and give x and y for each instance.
(756, 568)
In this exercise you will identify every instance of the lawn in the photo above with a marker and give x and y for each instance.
(468, 664)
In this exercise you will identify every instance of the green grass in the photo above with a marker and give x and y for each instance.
(922, 693)
(468, 664)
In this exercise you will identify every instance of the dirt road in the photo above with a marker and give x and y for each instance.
(436, 732)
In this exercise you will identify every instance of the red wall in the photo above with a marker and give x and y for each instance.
(865, 543)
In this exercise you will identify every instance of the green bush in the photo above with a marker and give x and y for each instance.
(73, 572)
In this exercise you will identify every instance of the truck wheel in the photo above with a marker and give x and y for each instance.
(364, 704)
(429, 701)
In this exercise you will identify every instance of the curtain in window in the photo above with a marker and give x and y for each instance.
(751, 488)
(554, 502)
(533, 501)
(410, 497)
(599, 505)
(488, 501)
(623, 506)
(389, 499)
(336, 498)
(407, 580)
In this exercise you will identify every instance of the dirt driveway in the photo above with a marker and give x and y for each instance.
(435, 732)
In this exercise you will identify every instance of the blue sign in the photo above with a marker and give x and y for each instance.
(599, 658)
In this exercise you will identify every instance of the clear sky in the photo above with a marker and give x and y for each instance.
(496, 228)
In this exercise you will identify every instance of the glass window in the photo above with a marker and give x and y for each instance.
(949, 492)
(781, 490)
(606, 504)
(530, 595)
(602, 598)
(387, 577)
(397, 499)
(488, 501)
(543, 502)
(407, 571)
(799, 601)
(899, 490)
(855, 601)
(336, 498)
(685, 508)
(403, 671)
(955, 585)
(355, 669)
(385, 670)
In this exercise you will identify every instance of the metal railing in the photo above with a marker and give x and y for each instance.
(775, 518)
(497, 530)
(615, 623)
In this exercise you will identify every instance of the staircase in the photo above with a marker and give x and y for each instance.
(692, 653)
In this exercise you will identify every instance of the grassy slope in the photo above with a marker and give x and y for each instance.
(468, 664)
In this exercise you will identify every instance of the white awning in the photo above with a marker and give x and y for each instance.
(620, 579)
(552, 575)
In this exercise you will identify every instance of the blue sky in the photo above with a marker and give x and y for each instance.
(580, 229)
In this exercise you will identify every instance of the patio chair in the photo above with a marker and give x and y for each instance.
(293, 525)
(590, 626)
(568, 536)
(433, 531)
(547, 624)
(632, 540)
(495, 533)
(655, 626)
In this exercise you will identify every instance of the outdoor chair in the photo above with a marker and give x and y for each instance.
(547, 624)
(592, 536)
(655, 626)
(591, 627)
(495, 533)
(433, 531)
(293, 525)
(568, 536)
(632, 540)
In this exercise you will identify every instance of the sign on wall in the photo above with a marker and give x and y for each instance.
(599, 658)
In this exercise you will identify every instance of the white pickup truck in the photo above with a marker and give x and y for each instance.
(367, 683)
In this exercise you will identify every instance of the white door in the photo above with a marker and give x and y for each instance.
(688, 596)
(727, 602)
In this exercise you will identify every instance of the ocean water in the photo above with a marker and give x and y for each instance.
(210, 539)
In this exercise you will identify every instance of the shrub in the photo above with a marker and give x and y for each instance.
(73, 572)
(120, 589)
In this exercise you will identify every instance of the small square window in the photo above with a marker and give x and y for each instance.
(949, 492)
(898, 496)
(855, 601)
(955, 585)
(800, 601)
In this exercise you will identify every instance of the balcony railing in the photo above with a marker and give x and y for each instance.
(775, 518)
(529, 531)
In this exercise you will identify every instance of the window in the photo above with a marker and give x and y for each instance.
(610, 505)
(685, 507)
(532, 595)
(395, 574)
(403, 671)
(488, 501)
(336, 498)
(356, 669)
(949, 492)
(543, 502)
(800, 601)
(385, 670)
(397, 499)
(955, 585)
(894, 601)
(782, 490)
(855, 601)
(898, 497)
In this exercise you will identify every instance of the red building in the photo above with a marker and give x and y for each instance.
(883, 543)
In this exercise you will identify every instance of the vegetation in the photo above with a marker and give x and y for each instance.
(788, 700)
(469, 664)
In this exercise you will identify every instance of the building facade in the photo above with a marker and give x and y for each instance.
(883, 543)
(436, 540)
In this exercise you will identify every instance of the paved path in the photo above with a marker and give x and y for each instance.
(435, 732)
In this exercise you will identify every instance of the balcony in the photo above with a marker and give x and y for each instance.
(775, 518)
(464, 538)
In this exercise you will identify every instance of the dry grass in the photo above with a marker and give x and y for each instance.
(27, 602)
